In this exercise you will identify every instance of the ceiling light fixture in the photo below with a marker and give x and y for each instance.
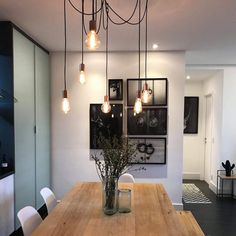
(100, 13)
(188, 77)
(92, 41)
(82, 78)
(138, 102)
(106, 107)
(146, 92)
(65, 100)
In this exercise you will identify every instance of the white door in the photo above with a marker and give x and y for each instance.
(208, 139)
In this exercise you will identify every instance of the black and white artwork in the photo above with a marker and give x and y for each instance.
(105, 124)
(150, 150)
(115, 89)
(157, 88)
(151, 121)
(191, 115)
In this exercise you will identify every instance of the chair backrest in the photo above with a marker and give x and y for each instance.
(49, 198)
(29, 219)
(126, 178)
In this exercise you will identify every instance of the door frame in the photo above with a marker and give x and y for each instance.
(204, 136)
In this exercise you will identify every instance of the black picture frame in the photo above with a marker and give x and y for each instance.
(115, 89)
(159, 87)
(151, 121)
(191, 107)
(107, 125)
(150, 150)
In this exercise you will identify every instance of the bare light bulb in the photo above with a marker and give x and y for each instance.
(146, 92)
(92, 41)
(106, 107)
(138, 104)
(65, 102)
(82, 78)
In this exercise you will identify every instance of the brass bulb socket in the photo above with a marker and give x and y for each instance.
(82, 67)
(92, 25)
(64, 94)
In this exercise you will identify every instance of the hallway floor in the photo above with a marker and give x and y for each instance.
(216, 219)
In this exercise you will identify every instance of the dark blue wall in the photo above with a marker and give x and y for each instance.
(6, 99)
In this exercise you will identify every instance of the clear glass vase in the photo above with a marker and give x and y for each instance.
(110, 193)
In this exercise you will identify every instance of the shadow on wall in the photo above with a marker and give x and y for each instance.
(152, 171)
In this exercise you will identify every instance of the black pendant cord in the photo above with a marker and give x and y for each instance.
(146, 33)
(101, 10)
(139, 46)
(107, 28)
(85, 13)
(128, 21)
(65, 47)
(82, 33)
(93, 10)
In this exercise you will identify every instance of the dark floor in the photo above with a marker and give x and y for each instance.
(216, 219)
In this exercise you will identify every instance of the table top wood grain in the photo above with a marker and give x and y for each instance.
(80, 213)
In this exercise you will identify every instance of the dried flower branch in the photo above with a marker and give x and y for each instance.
(119, 156)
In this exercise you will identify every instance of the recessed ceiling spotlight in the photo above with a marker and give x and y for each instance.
(188, 77)
(155, 46)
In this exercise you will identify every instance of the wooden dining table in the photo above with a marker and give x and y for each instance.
(80, 213)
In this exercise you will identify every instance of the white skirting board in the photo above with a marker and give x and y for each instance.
(178, 206)
(191, 175)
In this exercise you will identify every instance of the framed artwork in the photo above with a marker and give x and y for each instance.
(158, 91)
(150, 150)
(115, 89)
(105, 124)
(151, 121)
(191, 115)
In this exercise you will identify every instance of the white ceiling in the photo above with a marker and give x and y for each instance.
(198, 75)
(173, 24)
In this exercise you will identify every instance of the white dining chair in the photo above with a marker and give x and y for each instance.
(49, 198)
(29, 219)
(126, 178)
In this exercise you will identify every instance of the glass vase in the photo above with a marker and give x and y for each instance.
(110, 192)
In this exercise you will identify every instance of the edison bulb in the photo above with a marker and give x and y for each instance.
(138, 106)
(106, 107)
(92, 41)
(145, 96)
(82, 79)
(65, 105)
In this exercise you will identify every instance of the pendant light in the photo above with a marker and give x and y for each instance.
(65, 100)
(92, 41)
(106, 107)
(82, 78)
(146, 92)
(138, 102)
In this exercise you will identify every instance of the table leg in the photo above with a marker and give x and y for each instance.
(222, 186)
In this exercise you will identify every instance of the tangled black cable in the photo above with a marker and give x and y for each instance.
(106, 10)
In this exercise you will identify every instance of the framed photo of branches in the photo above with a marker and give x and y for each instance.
(106, 125)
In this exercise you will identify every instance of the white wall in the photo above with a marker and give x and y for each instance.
(229, 114)
(193, 157)
(70, 133)
(7, 205)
